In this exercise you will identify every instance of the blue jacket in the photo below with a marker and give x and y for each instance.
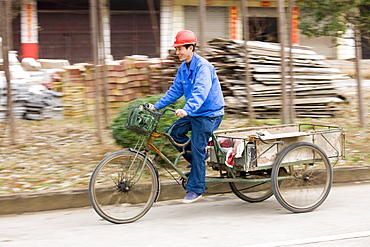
(200, 86)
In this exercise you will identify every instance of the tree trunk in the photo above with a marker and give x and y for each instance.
(282, 38)
(361, 111)
(291, 107)
(202, 24)
(94, 34)
(5, 43)
(102, 59)
(247, 73)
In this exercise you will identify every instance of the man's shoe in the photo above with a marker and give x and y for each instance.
(191, 197)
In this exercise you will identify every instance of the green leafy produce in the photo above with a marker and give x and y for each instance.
(128, 139)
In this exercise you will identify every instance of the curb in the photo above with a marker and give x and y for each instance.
(170, 190)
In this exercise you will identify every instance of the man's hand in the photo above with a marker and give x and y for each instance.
(151, 107)
(180, 113)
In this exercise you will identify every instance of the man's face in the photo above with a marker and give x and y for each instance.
(184, 54)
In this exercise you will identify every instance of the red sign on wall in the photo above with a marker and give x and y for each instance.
(29, 31)
(265, 4)
(233, 20)
(295, 30)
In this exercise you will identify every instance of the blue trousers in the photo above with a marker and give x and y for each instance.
(201, 130)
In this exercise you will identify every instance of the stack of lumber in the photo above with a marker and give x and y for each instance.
(313, 90)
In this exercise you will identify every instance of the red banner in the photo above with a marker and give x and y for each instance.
(233, 21)
(29, 30)
(295, 30)
(265, 4)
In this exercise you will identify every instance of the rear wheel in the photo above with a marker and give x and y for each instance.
(254, 191)
(308, 178)
(122, 188)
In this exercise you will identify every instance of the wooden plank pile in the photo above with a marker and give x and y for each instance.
(313, 89)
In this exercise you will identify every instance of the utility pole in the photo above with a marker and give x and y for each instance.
(5, 49)
(95, 38)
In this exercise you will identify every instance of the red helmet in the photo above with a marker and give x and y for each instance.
(185, 37)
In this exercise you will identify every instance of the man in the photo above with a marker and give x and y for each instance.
(202, 114)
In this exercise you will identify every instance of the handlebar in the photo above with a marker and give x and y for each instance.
(146, 107)
(169, 109)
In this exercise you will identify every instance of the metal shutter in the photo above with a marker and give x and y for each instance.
(217, 24)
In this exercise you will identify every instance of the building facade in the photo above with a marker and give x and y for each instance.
(61, 29)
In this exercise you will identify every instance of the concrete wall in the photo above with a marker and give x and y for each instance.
(321, 45)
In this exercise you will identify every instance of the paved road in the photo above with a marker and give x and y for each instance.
(343, 220)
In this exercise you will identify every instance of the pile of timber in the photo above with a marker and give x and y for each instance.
(313, 92)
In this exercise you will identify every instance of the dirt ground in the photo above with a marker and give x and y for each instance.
(56, 155)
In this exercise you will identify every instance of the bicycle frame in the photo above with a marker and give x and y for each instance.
(157, 151)
(150, 145)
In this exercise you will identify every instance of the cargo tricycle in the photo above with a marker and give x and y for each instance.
(293, 162)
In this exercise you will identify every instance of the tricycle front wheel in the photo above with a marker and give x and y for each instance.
(307, 179)
(123, 187)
